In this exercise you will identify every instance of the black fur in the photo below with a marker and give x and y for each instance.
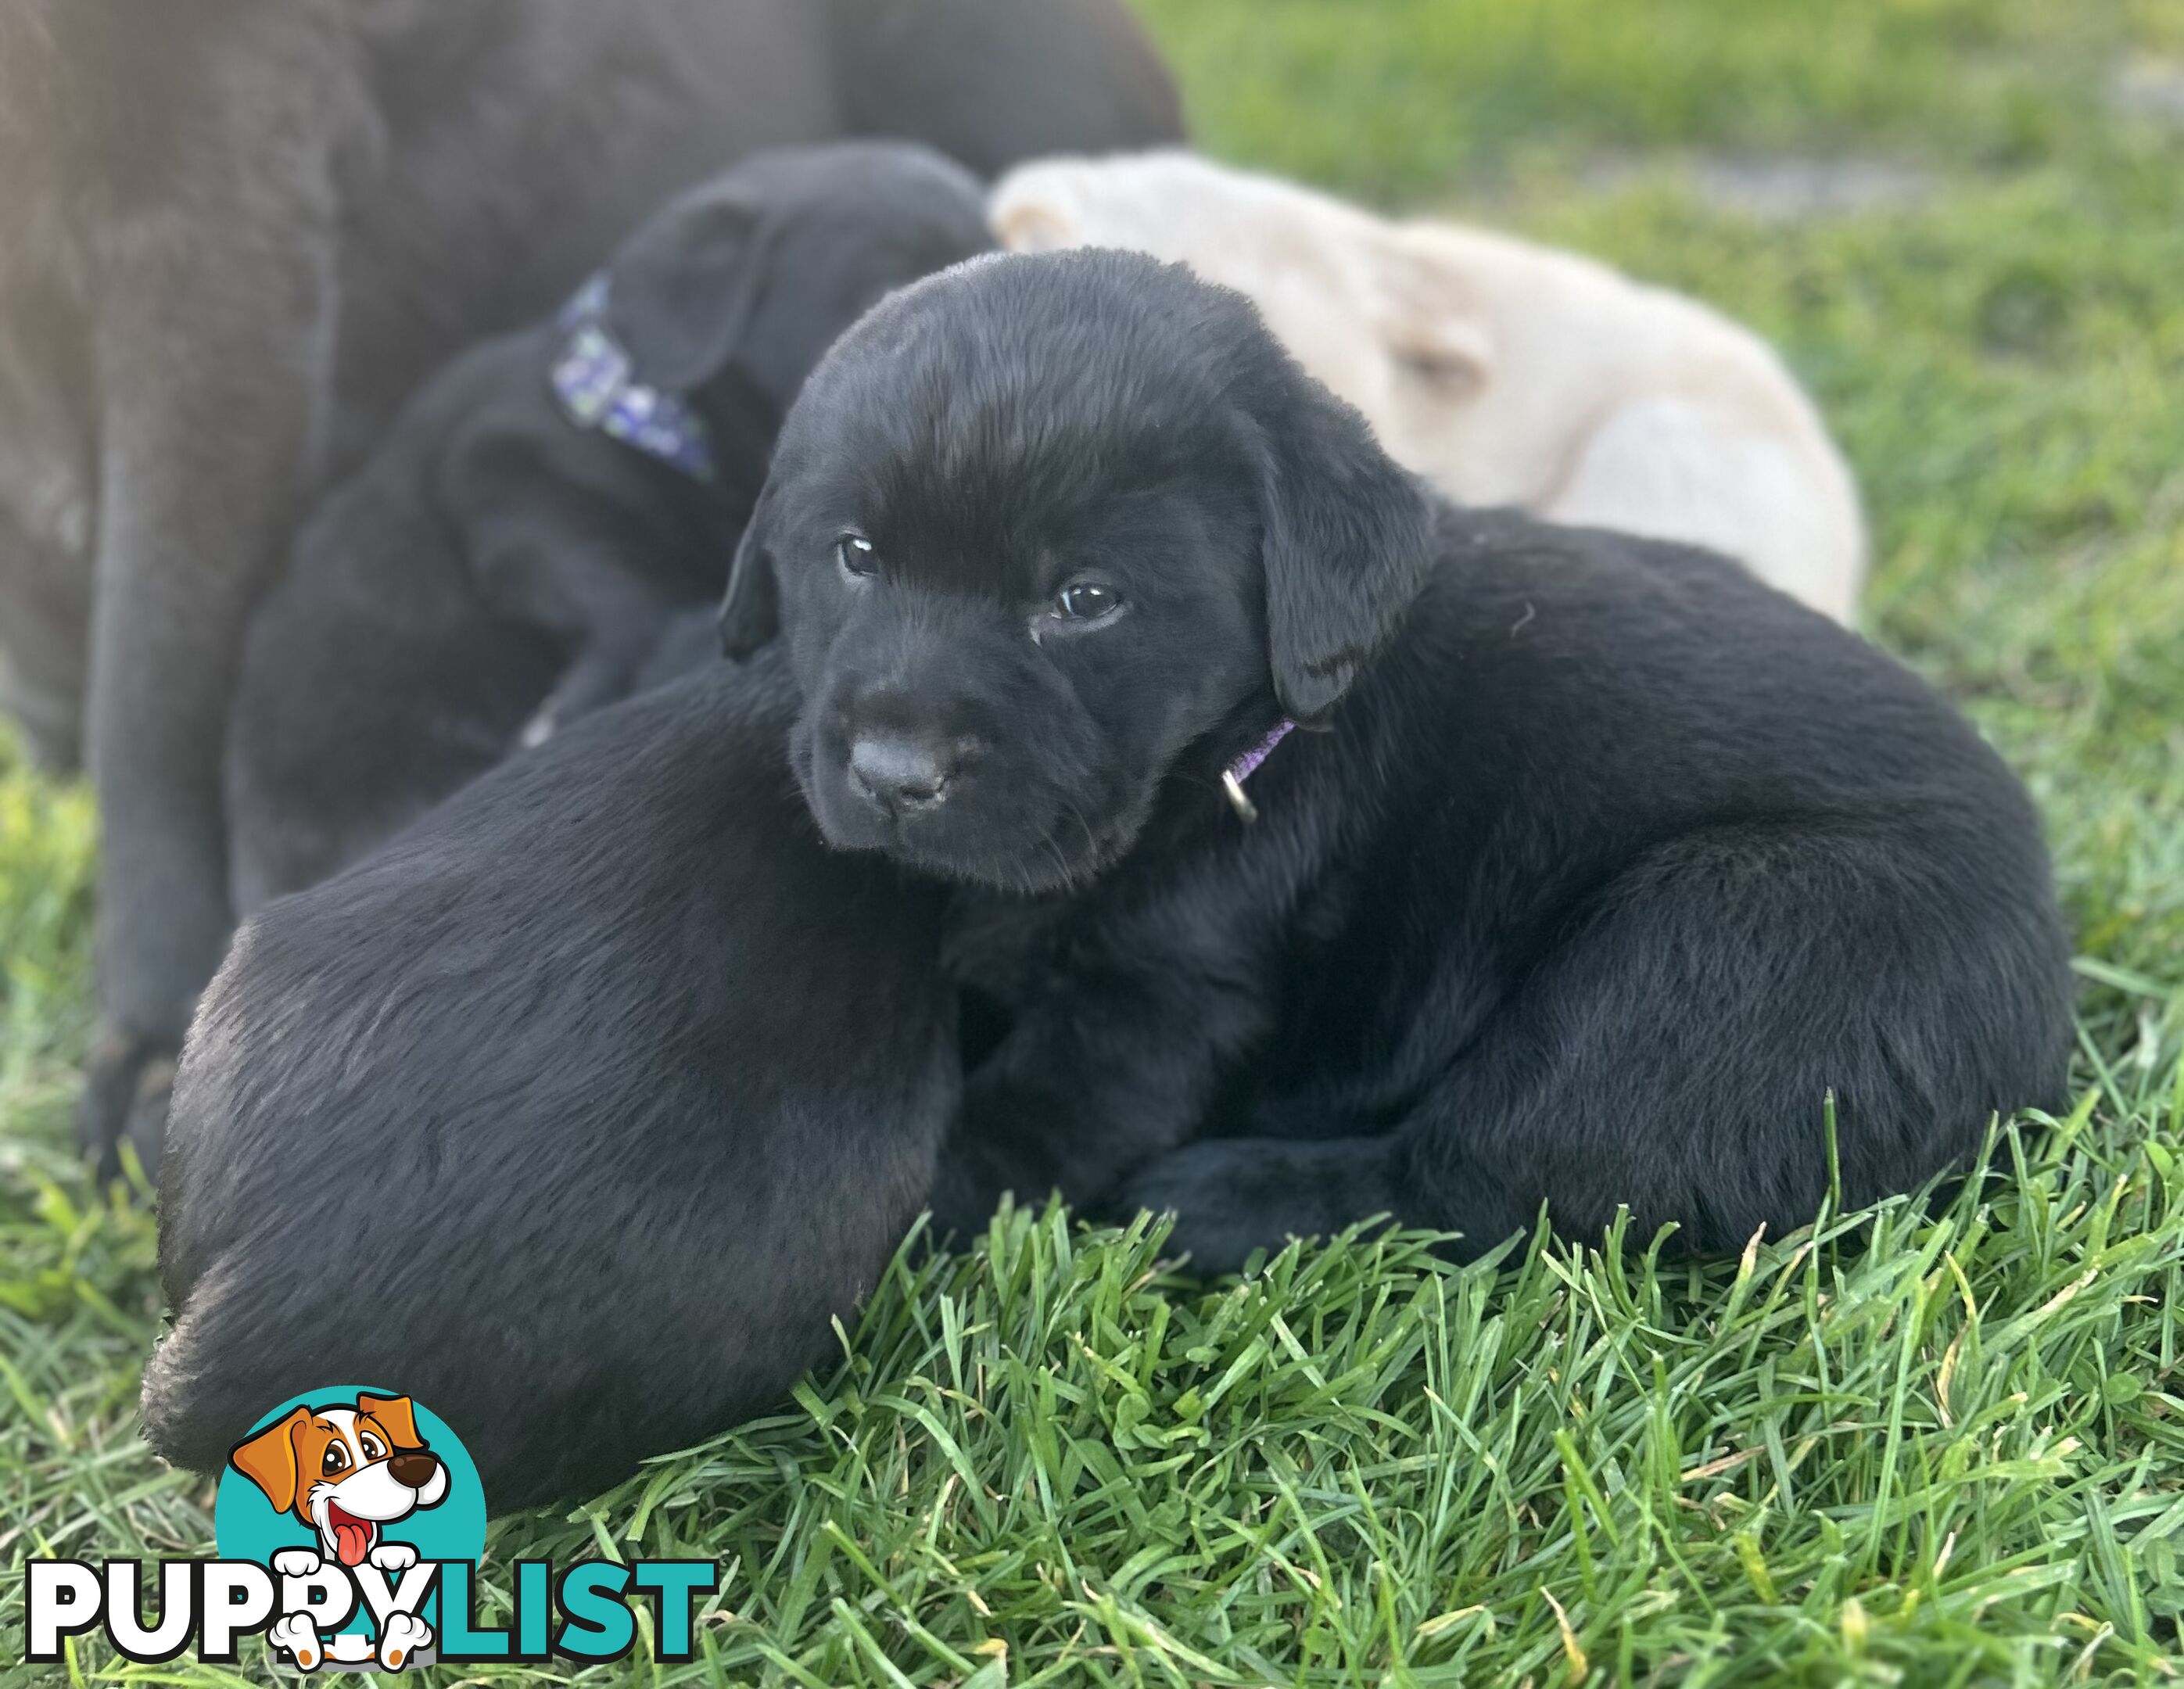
(575, 1112)
(236, 234)
(495, 571)
(1598, 867)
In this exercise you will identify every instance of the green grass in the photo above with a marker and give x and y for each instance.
(1923, 1446)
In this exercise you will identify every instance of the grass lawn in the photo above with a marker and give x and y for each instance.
(1936, 1446)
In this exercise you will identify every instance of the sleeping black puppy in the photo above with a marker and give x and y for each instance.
(576, 1112)
(510, 555)
(1597, 867)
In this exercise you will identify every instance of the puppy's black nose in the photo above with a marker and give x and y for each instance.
(413, 1469)
(901, 773)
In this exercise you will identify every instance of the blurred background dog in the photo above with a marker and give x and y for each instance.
(512, 555)
(1506, 371)
(235, 237)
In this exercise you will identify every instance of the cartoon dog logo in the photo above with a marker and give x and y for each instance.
(346, 1470)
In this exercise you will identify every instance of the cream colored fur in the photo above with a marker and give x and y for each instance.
(1507, 373)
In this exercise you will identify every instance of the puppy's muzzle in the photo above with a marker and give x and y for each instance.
(901, 775)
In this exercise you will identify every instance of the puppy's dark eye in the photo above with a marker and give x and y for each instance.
(337, 1460)
(1087, 601)
(857, 555)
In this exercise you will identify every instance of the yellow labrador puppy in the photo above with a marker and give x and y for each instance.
(1505, 372)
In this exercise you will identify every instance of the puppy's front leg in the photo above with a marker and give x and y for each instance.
(1089, 1083)
(1232, 1195)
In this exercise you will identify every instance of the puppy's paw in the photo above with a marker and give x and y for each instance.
(963, 1199)
(989, 1155)
(979, 1165)
(1217, 1224)
(393, 1557)
(400, 1637)
(297, 1563)
(292, 1635)
(127, 1081)
(1232, 1195)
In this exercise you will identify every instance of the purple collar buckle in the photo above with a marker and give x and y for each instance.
(1242, 769)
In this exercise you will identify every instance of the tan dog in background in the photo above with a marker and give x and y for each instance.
(1505, 373)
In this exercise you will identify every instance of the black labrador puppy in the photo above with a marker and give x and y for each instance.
(577, 1112)
(510, 556)
(236, 234)
(1593, 868)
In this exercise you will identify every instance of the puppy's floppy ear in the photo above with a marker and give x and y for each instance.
(396, 1417)
(1428, 315)
(1451, 359)
(1347, 541)
(1030, 209)
(268, 1458)
(684, 290)
(751, 614)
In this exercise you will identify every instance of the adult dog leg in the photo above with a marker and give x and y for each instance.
(210, 340)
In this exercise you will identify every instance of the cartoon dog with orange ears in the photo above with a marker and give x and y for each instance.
(346, 1470)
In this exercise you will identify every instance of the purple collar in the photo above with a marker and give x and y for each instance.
(1245, 766)
(594, 379)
